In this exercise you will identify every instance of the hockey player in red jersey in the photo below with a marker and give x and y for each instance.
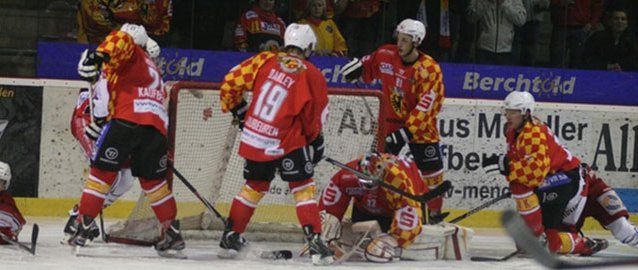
(281, 132)
(11, 220)
(395, 230)
(399, 217)
(135, 129)
(86, 136)
(537, 165)
(412, 84)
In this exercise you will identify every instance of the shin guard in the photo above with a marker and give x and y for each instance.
(306, 205)
(245, 202)
(96, 187)
(160, 198)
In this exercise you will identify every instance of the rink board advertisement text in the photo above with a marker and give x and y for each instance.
(59, 60)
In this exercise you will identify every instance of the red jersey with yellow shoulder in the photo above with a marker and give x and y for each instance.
(288, 108)
(536, 152)
(415, 92)
(401, 173)
(136, 89)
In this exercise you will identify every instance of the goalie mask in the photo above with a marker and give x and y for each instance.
(5, 174)
(372, 164)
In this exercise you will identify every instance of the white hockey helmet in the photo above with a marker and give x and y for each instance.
(152, 48)
(414, 28)
(519, 100)
(300, 36)
(140, 37)
(5, 174)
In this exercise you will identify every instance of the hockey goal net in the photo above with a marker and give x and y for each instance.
(205, 152)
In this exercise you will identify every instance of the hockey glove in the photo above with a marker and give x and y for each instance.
(352, 70)
(395, 141)
(90, 65)
(239, 113)
(317, 147)
(94, 129)
(496, 163)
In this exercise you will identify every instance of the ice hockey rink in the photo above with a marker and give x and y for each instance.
(202, 254)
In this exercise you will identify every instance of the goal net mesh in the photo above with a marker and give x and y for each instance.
(205, 153)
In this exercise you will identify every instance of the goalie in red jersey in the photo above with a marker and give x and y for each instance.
(537, 166)
(281, 132)
(384, 225)
(412, 85)
(11, 220)
(135, 129)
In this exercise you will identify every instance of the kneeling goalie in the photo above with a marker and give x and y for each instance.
(385, 226)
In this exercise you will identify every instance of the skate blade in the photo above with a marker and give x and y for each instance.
(317, 260)
(232, 254)
(173, 254)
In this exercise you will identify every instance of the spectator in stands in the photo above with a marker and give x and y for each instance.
(260, 29)
(613, 49)
(299, 8)
(497, 20)
(359, 24)
(329, 40)
(528, 36)
(436, 16)
(573, 21)
(96, 19)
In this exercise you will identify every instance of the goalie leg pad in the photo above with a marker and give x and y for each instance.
(330, 226)
(382, 249)
(442, 241)
(123, 183)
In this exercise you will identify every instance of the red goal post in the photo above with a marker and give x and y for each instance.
(205, 152)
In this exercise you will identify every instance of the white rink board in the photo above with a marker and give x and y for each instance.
(62, 164)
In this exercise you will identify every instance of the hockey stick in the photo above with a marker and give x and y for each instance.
(481, 207)
(495, 259)
(442, 188)
(105, 236)
(522, 235)
(474, 211)
(34, 240)
(202, 199)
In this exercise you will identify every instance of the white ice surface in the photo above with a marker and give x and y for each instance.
(51, 255)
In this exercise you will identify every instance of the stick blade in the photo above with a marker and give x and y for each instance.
(34, 237)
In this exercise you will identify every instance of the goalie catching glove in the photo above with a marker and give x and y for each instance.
(239, 113)
(383, 248)
(496, 163)
(90, 65)
(352, 70)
